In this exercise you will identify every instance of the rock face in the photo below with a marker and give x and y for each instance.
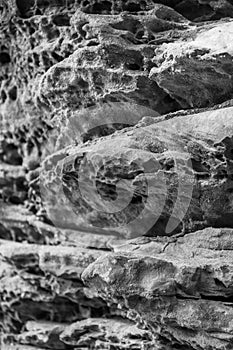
(116, 175)
(156, 173)
(180, 287)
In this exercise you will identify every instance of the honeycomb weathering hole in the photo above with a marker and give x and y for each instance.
(4, 58)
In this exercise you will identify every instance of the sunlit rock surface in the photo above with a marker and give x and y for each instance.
(116, 205)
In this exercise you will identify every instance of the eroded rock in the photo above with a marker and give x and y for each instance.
(178, 168)
(94, 91)
(182, 287)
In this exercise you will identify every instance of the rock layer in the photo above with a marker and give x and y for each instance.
(146, 185)
(181, 287)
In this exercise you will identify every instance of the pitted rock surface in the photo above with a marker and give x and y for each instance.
(116, 205)
(193, 149)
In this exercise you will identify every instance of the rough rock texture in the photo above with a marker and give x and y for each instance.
(116, 159)
(181, 287)
(156, 164)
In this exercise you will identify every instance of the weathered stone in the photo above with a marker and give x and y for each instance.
(36, 278)
(181, 287)
(107, 333)
(104, 83)
(87, 334)
(19, 347)
(187, 69)
(25, 226)
(39, 334)
(179, 168)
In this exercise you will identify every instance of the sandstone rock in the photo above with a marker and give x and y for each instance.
(19, 347)
(106, 333)
(38, 334)
(201, 10)
(17, 223)
(66, 39)
(115, 122)
(91, 333)
(188, 68)
(58, 260)
(186, 159)
(37, 280)
(182, 287)
(25, 226)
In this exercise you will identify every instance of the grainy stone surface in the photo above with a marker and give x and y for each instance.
(148, 159)
(182, 286)
(116, 161)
